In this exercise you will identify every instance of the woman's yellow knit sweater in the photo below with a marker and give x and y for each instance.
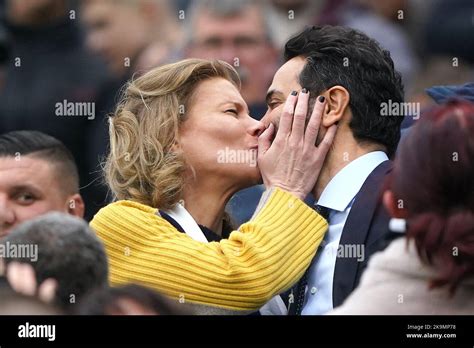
(262, 258)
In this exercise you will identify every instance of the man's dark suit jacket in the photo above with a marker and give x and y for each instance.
(367, 224)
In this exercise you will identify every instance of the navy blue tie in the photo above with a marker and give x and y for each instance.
(323, 211)
(299, 289)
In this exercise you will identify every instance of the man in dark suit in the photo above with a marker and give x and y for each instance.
(357, 78)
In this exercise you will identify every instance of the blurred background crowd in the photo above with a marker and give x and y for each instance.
(55, 51)
(59, 52)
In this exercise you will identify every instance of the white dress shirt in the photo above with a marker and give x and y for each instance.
(338, 197)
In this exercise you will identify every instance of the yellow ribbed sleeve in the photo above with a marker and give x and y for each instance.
(262, 258)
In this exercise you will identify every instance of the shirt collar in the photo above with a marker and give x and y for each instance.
(345, 185)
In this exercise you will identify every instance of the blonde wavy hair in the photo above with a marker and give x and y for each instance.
(141, 164)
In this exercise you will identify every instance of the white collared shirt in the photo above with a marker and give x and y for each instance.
(187, 222)
(338, 197)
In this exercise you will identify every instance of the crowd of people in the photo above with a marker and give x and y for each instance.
(276, 157)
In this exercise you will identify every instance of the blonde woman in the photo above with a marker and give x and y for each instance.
(168, 169)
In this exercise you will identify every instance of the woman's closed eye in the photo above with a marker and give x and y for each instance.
(232, 111)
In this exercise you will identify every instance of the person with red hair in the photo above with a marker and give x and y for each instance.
(431, 191)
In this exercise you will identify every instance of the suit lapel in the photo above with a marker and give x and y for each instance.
(355, 231)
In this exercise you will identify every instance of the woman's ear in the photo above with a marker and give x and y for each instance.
(392, 205)
(176, 147)
(337, 103)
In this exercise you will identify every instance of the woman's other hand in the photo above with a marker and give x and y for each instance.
(293, 161)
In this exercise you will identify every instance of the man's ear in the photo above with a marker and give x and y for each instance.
(337, 98)
(75, 205)
(392, 206)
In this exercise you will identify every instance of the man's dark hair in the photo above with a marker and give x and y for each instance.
(67, 251)
(346, 57)
(45, 147)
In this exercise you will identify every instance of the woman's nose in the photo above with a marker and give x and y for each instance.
(256, 128)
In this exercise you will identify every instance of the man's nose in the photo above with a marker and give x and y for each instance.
(266, 119)
(7, 214)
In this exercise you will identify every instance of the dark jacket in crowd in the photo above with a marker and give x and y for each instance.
(48, 66)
